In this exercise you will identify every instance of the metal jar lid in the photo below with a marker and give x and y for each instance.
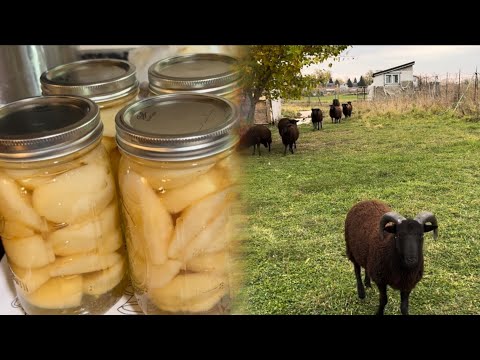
(177, 127)
(100, 80)
(42, 128)
(215, 74)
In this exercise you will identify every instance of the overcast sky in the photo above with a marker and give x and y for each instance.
(429, 59)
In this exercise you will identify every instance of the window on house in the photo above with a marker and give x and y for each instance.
(392, 79)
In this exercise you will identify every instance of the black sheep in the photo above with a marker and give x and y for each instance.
(347, 109)
(317, 119)
(390, 254)
(256, 135)
(289, 134)
(335, 113)
(284, 122)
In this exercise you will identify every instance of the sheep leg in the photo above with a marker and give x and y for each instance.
(254, 145)
(285, 151)
(367, 280)
(383, 298)
(258, 145)
(291, 148)
(404, 295)
(358, 276)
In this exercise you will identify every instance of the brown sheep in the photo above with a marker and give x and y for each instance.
(390, 254)
(347, 109)
(335, 113)
(254, 136)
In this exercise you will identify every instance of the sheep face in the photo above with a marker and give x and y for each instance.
(408, 237)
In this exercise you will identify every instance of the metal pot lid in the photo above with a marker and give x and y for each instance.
(100, 80)
(194, 72)
(41, 128)
(177, 127)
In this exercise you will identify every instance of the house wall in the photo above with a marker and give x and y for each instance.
(405, 75)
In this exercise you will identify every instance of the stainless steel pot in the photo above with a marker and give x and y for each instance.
(22, 65)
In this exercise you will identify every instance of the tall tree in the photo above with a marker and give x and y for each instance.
(274, 71)
(349, 83)
(337, 82)
(355, 81)
(368, 77)
(322, 76)
(362, 82)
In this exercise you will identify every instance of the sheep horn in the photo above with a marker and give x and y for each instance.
(391, 216)
(425, 217)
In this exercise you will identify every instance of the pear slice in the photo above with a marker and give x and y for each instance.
(15, 205)
(58, 293)
(210, 239)
(83, 263)
(86, 236)
(14, 229)
(230, 168)
(179, 198)
(186, 287)
(150, 219)
(29, 252)
(167, 177)
(215, 262)
(75, 195)
(197, 305)
(100, 282)
(194, 219)
(110, 242)
(161, 275)
(107, 114)
(108, 142)
(29, 280)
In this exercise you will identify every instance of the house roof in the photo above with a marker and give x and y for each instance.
(399, 67)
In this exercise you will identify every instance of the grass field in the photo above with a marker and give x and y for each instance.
(295, 251)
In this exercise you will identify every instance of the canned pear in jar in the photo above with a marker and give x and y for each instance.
(178, 183)
(110, 83)
(59, 216)
(208, 74)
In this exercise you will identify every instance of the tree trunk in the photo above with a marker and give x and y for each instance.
(253, 100)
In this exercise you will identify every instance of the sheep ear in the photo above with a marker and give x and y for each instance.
(392, 229)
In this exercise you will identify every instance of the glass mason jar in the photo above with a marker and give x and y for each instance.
(178, 186)
(59, 216)
(210, 74)
(110, 83)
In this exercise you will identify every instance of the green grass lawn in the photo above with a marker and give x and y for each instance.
(295, 248)
(327, 99)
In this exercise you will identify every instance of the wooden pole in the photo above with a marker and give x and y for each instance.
(476, 86)
(459, 85)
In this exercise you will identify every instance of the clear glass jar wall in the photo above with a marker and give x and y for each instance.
(59, 216)
(180, 203)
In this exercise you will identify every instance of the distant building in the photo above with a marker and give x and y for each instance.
(393, 81)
